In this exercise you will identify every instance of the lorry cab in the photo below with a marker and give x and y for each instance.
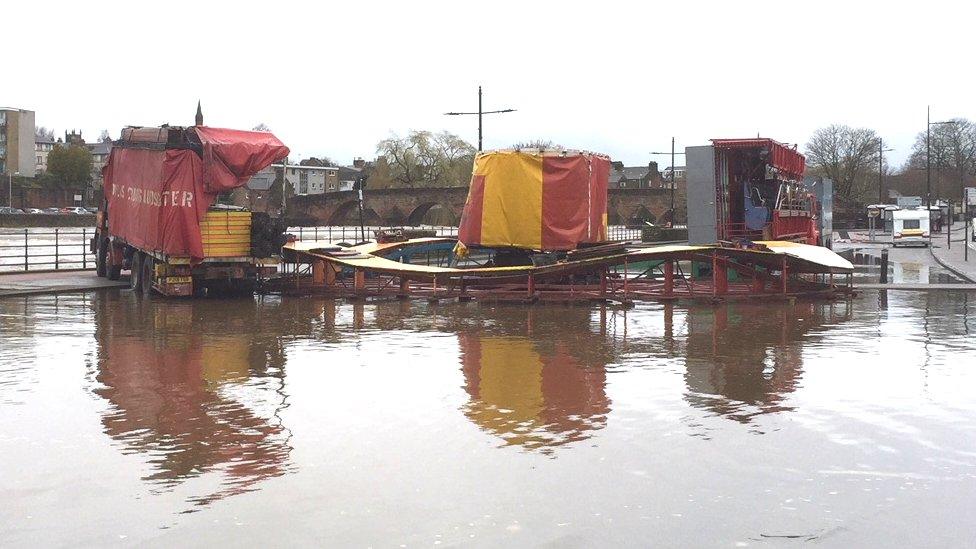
(910, 227)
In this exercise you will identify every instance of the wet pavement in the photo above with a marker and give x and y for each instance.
(305, 421)
(959, 256)
(21, 284)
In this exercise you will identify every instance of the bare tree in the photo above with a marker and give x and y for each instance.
(42, 132)
(847, 155)
(541, 144)
(261, 127)
(953, 154)
(104, 137)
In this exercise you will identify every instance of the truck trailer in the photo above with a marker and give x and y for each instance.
(754, 189)
(160, 219)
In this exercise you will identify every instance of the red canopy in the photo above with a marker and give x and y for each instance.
(231, 157)
(782, 157)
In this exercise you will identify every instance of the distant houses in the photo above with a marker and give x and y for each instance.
(642, 177)
(310, 177)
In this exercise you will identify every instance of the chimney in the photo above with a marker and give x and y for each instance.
(199, 119)
(358, 163)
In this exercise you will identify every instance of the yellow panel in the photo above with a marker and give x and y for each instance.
(226, 245)
(510, 387)
(226, 234)
(228, 214)
(512, 210)
(225, 226)
(218, 235)
(226, 239)
(225, 358)
(218, 249)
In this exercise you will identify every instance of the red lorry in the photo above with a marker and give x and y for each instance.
(159, 217)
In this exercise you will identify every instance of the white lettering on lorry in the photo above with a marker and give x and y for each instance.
(183, 199)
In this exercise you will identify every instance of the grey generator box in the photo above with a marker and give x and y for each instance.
(823, 189)
(700, 182)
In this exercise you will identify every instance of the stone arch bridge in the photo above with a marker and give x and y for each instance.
(405, 207)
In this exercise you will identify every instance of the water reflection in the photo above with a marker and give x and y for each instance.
(540, 390)
(195, 388)
(744, 359)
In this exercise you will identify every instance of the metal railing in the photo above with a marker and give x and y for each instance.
(352, 234)
(38, 249)
(45, 249)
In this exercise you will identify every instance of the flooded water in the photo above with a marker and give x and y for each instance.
(284, 421)
(905, 265)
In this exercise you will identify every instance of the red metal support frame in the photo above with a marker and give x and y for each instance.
(669, 278)
(359, 280)
(720, 276)
(786, 275)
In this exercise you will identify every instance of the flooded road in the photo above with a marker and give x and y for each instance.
(306, 421)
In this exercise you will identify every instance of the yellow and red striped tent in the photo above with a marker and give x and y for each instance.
(536, 200)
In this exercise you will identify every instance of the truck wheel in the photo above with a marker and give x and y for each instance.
(148, 273)
(135, 272)
(101, 258)
(114, 272)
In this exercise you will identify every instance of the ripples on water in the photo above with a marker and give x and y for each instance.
(407, 422)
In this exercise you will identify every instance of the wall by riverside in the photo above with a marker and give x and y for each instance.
(21, 221)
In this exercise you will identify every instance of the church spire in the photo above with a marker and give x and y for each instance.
(199, 120)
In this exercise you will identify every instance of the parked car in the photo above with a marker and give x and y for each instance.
(76, 210)
(9, 210)
(51, 211)
(33, 210)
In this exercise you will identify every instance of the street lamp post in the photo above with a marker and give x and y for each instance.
(672, 153)
(10, 188)
(881, 151)
(480, 113)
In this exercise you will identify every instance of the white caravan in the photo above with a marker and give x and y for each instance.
(910, 227)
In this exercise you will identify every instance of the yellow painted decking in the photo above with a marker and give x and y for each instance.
(226, 234)
(800, 258)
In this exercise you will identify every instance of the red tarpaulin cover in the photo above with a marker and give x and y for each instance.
(781, 157)
(231, 157)
(157, 198)
(536, 201)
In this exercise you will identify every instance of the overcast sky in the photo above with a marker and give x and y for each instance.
(621, 78)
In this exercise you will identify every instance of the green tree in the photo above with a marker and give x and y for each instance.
(70, 166)
(425, 159)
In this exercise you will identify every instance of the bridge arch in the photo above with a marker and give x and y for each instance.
(341, 212)
(432, 213)
(347, 213)
(394, 216)
(641, 214)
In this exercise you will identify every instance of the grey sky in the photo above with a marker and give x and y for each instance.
(615, 77)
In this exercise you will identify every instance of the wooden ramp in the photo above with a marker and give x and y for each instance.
(768, 269)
